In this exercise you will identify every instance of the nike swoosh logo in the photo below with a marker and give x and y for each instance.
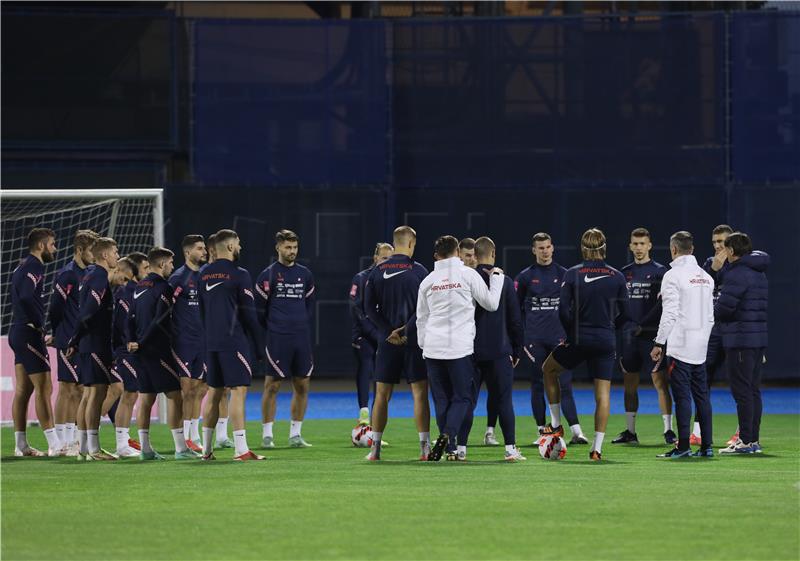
(592, 279)
(210, 287)
(137, 294)
(388, 275)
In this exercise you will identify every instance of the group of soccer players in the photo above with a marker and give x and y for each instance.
(553, 309)
(127, 329)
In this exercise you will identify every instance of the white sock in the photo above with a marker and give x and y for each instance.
(540, 428)
(53, 442)
(179, 439)
(267, 430)
(61, 432)
(208, 440)
(376, 441)
(82, 442)
(489, 430)
(576, 429)
(555, 414)
(364, 411)
(122, 438)
(21, 439)
(240, 442)
(424, 437)
(92, 441)
(510, 447)
(69, 433)
(597, 445)
(696, 429)
(461, 449)
(195, 434)
(222, 429)
(630, 421)
(187, 428)
(144, 440)
(294, 428)
(667, 422)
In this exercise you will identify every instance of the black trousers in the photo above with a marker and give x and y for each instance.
(688, 383)
(744, 372)
(499, 377)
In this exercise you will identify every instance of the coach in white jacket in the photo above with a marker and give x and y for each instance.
(686, 322)
(446, 335)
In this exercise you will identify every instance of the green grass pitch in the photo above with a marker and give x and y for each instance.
(327, 503)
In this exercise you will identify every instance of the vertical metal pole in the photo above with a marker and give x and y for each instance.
(158, 239)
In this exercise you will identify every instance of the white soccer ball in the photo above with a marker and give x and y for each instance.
(552, 448)
(361, 437)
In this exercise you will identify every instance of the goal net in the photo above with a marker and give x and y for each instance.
(133, 217)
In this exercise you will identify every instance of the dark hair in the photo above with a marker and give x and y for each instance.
(466, 243)
(682, 241)
(103, 244)
(158, 255)
(190, 239)
(224, 236)
(445, 246)
(722, 229)
(39, 235)
(640, 233)
(740, 243)
(285, 236)
(382, 245)
(540, 237)
(84, 239)
(137, 258)
(484, 246)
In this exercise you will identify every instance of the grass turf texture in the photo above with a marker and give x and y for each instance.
(327, 503)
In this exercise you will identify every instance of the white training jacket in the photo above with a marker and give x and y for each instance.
(688, 310)
(446, 308)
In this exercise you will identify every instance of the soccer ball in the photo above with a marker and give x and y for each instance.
(552, 448)
(361, 437)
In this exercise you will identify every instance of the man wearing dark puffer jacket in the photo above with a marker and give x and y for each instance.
(741, 311)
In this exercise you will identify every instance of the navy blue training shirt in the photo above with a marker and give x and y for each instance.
(187, 327)
(718, 277)
(286, 298)
(390, 295)
(644, 287)
(362, 326)
(96, 305)
(594, 300)
(498, 333)
(538, 293)
(27, 281)
(63, 311)
(150, 320)
(227, 308)
(123, 300)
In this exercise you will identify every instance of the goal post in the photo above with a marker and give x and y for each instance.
(133, 217)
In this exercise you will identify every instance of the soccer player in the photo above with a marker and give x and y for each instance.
(150, 327)
(187, 331)
(684, 327)
(124, 367)
(538, 292)
(741, 311)
(221, 430)
(63, 315)
(466, 252)
(716, 266)
(27, 340)
(364, 332)
(593, 301)
(498, 345)
(93, 340)
(390, 300)
(445, 321)
(644, 285)
(285, 310)
(230, 326)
